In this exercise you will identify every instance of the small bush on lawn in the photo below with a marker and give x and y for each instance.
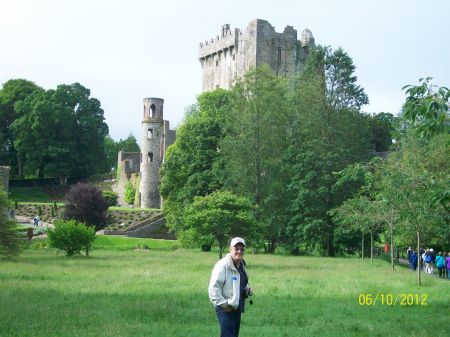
(72, 237)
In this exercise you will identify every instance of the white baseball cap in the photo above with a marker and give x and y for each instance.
(235, 241)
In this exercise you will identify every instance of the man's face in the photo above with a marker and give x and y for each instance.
(237, 252)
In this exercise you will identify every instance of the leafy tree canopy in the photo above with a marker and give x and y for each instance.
(222, 215)
(60, 132)
(426, 108)
(12, 92)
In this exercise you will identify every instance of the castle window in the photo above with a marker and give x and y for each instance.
(234, 57)
(149, 133)
(217, 63)
(152, 111)
(279, 61)
(150, 157)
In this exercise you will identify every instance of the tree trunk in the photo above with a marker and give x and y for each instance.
(362, 246)
(41, 172)
(271, 245)
(20, 167)
(330, 245)
(371, 247)
(418, 259)
(392, 250)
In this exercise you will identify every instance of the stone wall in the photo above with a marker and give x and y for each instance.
(156, 230)
(128, 165)
(4, 178)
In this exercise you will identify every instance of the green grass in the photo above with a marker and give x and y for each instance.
(164, 293)
(29, 194)
(119, 243)
(127, 243)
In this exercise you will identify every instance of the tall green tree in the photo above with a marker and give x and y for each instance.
(193, 165)
(341, 88)
(329, 133)
(412, 179)
(256, 137)
(360, 214)
(61, 132)
(13, 91)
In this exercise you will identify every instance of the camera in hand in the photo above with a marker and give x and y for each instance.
(246, 294)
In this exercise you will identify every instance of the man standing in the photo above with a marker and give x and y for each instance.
(229, 287)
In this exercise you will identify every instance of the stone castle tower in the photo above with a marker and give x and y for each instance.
(152, 152)
(142, 168)
(232, 53)
(156, 137)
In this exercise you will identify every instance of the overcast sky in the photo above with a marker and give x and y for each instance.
(126, 50)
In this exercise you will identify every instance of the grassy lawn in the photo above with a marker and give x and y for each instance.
(29, 194)
(158, 292)
(127, 243)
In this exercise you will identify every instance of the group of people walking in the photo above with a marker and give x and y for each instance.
(428, 260)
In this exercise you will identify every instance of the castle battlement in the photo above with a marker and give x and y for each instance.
(232, 53)
(226, 40)
(269, 31)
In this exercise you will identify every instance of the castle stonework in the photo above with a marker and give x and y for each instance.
(143, 168)
(225, 58)
(232, 53)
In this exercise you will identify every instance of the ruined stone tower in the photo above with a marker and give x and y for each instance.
(232, 53)
(152, 152)
(141, 170)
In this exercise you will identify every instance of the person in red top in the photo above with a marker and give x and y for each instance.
(386, 247)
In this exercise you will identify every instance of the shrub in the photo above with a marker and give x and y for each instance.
(110, 197)
(39, 230)
(130, 192)
(86, 204)
(72, 237)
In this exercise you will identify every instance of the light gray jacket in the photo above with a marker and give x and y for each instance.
(224, 286)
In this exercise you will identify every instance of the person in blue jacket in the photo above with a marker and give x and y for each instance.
(440, 264)
(413, 261)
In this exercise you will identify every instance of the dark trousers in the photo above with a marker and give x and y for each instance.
(230, 322)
